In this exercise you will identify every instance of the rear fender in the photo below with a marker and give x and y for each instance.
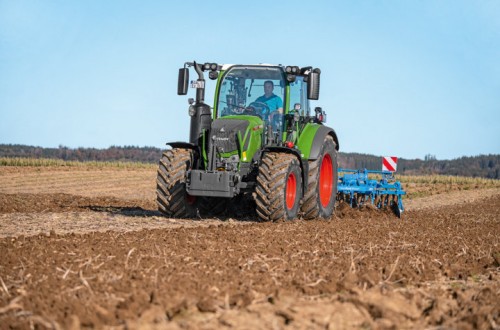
(319, 139)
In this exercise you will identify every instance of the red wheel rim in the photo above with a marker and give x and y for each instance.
(190, 199)
(291, 190)
(326, 180)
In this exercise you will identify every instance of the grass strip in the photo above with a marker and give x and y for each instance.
(46, 162)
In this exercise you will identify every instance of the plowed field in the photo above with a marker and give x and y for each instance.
(85, 248)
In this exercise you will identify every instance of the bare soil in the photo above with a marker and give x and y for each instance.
(87, 249)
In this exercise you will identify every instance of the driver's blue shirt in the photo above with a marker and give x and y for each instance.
(274, 102)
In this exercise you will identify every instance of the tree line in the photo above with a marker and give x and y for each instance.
(113, 153)
(486, 166)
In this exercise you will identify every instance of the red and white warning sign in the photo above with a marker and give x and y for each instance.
(389, 164)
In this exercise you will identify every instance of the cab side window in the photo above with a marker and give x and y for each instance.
(298, 95)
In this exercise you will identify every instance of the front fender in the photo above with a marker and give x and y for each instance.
(188, 145)
(183, 145)
(304, 165)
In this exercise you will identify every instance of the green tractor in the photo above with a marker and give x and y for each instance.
(259, 139)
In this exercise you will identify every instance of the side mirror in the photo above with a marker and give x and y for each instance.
(213, 75)
(182, 83)
(313, 84)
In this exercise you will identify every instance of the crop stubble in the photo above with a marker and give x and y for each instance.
(102, 256)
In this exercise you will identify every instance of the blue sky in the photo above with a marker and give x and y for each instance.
(402, 78)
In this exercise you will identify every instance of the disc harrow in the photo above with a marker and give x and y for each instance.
(356, 188)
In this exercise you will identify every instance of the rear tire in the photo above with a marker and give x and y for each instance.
(279, 187)
(171, 195)
(321, 192)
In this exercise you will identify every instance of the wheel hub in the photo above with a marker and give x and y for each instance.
(291, 190)
(326, 180)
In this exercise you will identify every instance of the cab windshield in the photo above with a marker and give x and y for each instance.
(252, 90)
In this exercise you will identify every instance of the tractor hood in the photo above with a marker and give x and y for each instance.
(236, 135)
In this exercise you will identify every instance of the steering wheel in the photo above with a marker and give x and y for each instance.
(263, 109)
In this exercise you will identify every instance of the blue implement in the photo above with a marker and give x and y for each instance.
(356, 188)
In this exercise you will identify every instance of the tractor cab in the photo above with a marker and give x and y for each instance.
(253, 91)
(266, 91)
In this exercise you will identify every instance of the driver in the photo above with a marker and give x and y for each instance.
(272, 100)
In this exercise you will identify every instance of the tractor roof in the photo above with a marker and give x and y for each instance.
(227, 66)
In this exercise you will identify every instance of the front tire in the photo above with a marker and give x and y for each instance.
(319, 199)
(171, 195)
(279, 187)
